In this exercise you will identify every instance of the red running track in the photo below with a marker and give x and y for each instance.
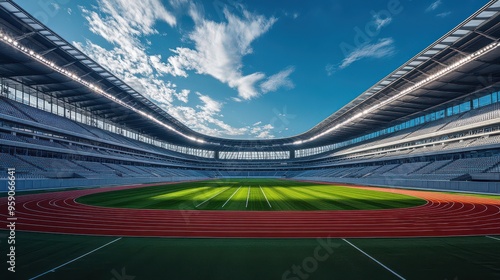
(442, 215)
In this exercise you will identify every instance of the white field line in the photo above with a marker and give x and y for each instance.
(498, 239)
(373, 259)
(265, 196)
(75, 259)
(212, 197)
(231, 197)
(248, 196)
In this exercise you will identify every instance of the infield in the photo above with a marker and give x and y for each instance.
(251, 194)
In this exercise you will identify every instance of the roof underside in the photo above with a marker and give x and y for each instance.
(468, 81)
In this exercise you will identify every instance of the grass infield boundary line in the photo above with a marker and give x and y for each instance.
(231, 197)
(212, 196)
(498, 239)
(373, 259)
(75, 259)
(265, 196)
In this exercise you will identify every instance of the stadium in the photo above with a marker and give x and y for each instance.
(99, 182)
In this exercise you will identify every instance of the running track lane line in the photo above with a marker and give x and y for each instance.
(230, 197)
(248, 196)
(493, 237)
(373, 259)
(75, 259)
(265, 196)
(212, 197)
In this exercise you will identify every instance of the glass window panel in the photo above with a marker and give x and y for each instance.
(475, 103)
(485, 100)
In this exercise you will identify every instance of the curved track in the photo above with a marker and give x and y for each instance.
(442, 215)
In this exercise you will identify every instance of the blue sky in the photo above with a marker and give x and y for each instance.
(251, 69)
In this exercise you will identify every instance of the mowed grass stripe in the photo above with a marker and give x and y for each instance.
(331, 198)
(285, 198)
(267, 200)
(336, 198)
(217, 202)
(294, 200)
(195, 199)
(230, 197)
(144, 197)
(362, 193)
(279, 200)
(257, 200)
(314, 200)
(369, 199)
(238, 201)
(208, 200)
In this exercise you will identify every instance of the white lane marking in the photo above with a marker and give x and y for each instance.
(265, 196)
(75, 259)
(493, 237)
(373, 259)
(231, 197)
(248, 196)
(212, 197)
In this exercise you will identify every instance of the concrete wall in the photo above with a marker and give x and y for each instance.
(479, 187)
(40, 184)
(248, 177)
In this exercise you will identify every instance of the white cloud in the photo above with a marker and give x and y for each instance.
(434, 5)
(125, 20)
(278, 80)
(262, 131)
(56, 6)
(245, 85)
(209, 104)
(293, 15)
(178, 3)
(205, 119)
(444, 14)
(330, 69)
(383, 48)
(70, 11)
(220, 47)
(265, 135)
(183, 95)
(130, 61)
(381, 22)
(265, 132)
(160, 66)
(119, 60)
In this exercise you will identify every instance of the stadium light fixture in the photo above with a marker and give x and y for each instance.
(429, 79)
(13, 43)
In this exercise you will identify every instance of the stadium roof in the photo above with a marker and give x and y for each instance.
(457, 66)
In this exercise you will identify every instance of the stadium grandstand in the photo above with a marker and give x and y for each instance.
(434, 122)
(97, 181)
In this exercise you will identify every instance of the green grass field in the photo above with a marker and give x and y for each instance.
(251, 194)
(65, 257)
